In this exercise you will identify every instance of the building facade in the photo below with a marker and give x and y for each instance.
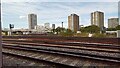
(42, 29)
(113, 22)
(73, 22)
(47, 25)
(97, 18)
(32, 20)
(53, 26)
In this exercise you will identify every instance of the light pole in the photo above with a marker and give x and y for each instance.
(62, 24)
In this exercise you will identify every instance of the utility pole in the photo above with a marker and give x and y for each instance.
(0, 45)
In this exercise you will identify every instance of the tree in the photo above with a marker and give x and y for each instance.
(90, 29)
(59, 29)
(118, 27)
(67, 32)
(111, 29)
(82, 29)
(114, 29)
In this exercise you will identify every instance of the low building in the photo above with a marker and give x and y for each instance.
(47, 25)
(42, 29)
(118, 33)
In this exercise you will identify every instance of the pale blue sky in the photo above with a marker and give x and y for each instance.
(60, 0)
(54, 12)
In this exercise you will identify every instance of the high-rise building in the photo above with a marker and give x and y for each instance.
(32, 19)
(73, 22)
(113, 22)
(97, 18)
(53, 26)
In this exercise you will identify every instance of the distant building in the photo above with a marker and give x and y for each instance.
(42, 29)
(73, 22)
(32, 19)
(97, 18)
(80, 26)
(5, 29)
(113, 22)
(53, 26)
(47, 25)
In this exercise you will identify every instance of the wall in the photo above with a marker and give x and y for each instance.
(118, 33)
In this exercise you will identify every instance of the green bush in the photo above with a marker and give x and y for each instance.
(66, 34)
(99, 35)
(81, 35)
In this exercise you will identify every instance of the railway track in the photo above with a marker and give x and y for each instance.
(105, 54)
(77, 49)
(54, 41)
(34, 62)
(61, 42)
(59, 38)
(76, 54)
(83, 47)
(16, 61)
(63, 61)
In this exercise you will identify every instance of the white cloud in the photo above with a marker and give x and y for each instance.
(113, 17)
(21, 17)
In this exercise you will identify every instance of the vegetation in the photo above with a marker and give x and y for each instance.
(90, 29)
(81, 34)
(63, 31)
(118, 27)
(99, 35)
(58, 30)
(93, 29)
(111, 29)
(114, 29)
(67, 32)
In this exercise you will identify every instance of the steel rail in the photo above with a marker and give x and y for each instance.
(94, 57)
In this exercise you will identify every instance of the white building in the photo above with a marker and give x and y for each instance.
(113, 22)
(47, 25)
(42, 29)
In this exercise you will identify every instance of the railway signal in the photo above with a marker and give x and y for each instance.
(11, 26)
